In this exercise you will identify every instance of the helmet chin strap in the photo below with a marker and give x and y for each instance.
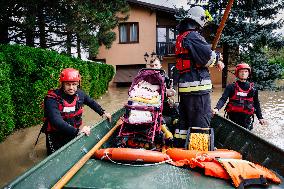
(242, 79)
(187, 25)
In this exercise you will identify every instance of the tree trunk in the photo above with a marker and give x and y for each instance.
(226, 63)
(4, 28)
(4, 23)
(41, 24)
(29, 37)
(79, 46)
(30, 25)
(69, 43)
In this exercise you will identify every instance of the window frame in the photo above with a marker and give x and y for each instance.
(128, 26)
(167, 33)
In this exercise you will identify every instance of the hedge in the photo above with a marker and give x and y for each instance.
(6, 108)
(28, 73)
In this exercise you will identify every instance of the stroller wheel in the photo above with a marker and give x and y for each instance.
(120, 142)
(159, 138)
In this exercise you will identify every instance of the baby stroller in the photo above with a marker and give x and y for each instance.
(142, 120)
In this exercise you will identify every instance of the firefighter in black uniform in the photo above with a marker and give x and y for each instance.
(63, 108)
(194, 56)
(243, 99)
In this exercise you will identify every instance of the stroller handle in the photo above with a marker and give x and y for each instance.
(159, 70)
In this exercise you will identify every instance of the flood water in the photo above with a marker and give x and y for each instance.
(19, 154)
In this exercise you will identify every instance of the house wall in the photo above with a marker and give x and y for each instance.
(216, 76)
(126, 54)
(133, 54)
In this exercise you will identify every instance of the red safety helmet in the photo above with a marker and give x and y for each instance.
(69, 74)
(242, 66)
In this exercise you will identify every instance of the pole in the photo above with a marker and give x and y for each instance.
(85, 158)
(222, 24)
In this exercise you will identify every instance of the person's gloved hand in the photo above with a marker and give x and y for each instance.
(171, 102)
(263, 122)
(219, 61)
(170, 92)
(107, 115)
(85, 130)
(220, 65)
(215, 111)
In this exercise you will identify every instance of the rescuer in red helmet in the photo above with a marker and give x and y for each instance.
(243, 99)
(63, 108)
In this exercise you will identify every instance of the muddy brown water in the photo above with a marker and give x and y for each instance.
(18, 153)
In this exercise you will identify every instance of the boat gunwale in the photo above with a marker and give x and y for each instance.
(118, 113)
(52, 156)
(251, 133)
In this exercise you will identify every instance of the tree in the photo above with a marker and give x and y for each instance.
(61, 23)
(249, 28)
(263, 73)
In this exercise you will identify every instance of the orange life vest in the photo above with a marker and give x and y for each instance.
(241, 172)
(210, 165)
(240, 101)
(245, 173)
(182, 56)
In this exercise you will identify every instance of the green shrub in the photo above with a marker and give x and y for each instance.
(276, 56)
(6, 109)
(263, 73)
(31, 72)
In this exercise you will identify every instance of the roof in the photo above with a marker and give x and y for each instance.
(152, 6)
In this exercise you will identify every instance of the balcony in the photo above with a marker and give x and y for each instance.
(165, 48)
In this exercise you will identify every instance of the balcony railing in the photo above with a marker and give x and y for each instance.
(165, 48)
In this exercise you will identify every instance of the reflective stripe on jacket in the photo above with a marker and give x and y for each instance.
(195, 86)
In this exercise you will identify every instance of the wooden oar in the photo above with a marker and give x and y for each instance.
(222, 24)
(85, 158)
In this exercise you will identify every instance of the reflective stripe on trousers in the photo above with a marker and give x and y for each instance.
(180, 134)
(195, 88)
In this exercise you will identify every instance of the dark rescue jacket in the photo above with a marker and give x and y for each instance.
(241, 101)
(70, 112)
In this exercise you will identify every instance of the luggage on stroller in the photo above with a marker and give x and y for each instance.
(143, 117)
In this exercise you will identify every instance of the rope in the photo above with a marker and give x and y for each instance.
(199, 141)
(134, 165)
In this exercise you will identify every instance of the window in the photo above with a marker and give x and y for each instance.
(129, 33)
(166, 37)
(166, 34)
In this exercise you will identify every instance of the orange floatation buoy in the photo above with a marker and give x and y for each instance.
(131, 155)
(177, 154)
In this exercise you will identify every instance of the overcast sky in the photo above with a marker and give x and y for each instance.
(168, 3)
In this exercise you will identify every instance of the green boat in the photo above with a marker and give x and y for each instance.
(102, 174)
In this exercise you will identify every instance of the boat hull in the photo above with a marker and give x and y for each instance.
(103, 174)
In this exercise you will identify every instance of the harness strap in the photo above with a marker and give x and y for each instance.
(65, 115)
(245, 182)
